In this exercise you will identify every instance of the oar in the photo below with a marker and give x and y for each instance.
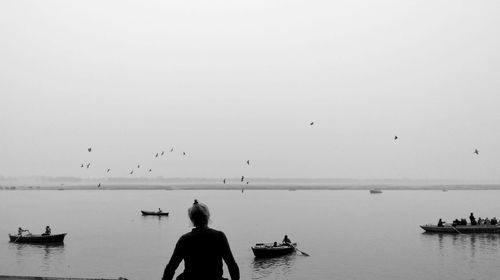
(303, 253)
(456, 229)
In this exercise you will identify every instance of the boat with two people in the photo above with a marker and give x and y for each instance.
(44, 238)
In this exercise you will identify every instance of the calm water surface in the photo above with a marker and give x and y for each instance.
(349, 234)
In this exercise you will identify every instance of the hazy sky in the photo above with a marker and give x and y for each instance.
(227, 81)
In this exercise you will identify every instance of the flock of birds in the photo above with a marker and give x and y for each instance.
(162, 153)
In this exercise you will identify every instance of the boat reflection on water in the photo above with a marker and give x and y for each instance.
(46, 252)
(484, 243)
(278, 267)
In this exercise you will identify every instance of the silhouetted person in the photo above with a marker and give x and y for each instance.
(275, 244)
(440, 223)
(48, 231)
(494, 221)
(463, 222)
(472, 219)
(20, 231)
(159, 210)
(286, 240)
(202, 250)
(480, 221)
(476, 152)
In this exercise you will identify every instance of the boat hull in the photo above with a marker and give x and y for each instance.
(462, 229)
(267, 250)
(151, 213)
(38, 239)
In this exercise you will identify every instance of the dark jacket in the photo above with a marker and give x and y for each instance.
(202, 251)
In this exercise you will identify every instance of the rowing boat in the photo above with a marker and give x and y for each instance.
(267, 250)
(462, 228)
(153, 213)
(37, 238)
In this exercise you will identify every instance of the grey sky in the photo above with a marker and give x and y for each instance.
(227, 81)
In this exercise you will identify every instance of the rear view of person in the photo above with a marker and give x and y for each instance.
(202, 250)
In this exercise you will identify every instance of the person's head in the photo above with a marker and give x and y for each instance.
(199, 214)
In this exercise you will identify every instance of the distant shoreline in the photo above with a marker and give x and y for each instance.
(255, 187)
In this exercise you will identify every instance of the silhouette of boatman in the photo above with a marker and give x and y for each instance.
(202, 250)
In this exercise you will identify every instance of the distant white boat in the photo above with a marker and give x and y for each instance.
(375, 191)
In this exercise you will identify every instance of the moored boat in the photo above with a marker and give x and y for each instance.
(267, 250)
(153, 213)
(38, 238)
(375, 191)
(461, 229)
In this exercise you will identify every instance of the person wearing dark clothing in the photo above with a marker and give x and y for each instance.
(202, 250)
(463, 222)
(440, 223)
(472, 219)
(494, 221)
(48, 231)
(286, 240)
(455, 223)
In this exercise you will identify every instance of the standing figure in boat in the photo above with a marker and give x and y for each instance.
(472, 219)
(203, 250)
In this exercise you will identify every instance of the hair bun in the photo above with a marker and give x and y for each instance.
(195, 201)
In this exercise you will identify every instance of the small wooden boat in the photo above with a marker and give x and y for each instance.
(375, 191)
(268, 250)
(153, 213)
(462, 229)
(37, 238)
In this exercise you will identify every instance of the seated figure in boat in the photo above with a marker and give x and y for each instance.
(20, 231)
(494, 221)
(48, 231)
(480, 221)
(456, 222)
(159, 210)
(463, 222)
(472, 219)
(275, 244)
(487, 221)
(440, 223)
(286, 240)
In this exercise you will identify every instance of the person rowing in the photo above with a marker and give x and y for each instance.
(48, 231)
(286, 241)
(20, 231)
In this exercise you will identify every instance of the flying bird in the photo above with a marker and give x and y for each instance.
(132, 172)
(150, 170)
(395, 137)
(89, 149)
(476, 152)
(99, 185)
(81, 165)
(247, 183)
(311, 123)
(248, 162)
(242, 178)
(171, 150)
(162, 153)
(156, 155)
(88, 165)
(138, 166)
(109, 169)
(224, 181)
(183, 153)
